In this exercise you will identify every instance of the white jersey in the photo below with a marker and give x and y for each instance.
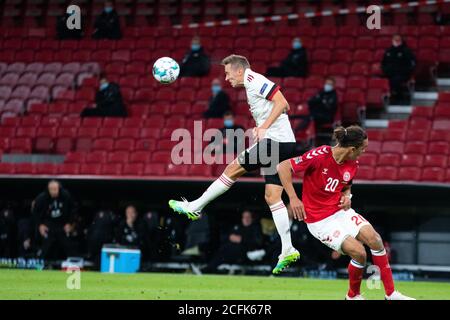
(260, 92)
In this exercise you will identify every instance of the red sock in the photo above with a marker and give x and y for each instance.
(380, 259)
(355, 275)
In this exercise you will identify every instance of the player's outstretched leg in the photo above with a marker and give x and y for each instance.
(356, 251)
(192, 209)
(372, 239)
(280, 216)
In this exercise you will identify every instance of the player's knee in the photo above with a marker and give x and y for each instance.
(271, 197)
(375, 242)
(360, 255)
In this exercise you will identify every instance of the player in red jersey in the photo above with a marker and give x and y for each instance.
(326, 207)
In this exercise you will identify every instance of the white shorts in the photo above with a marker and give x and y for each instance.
(333, 231)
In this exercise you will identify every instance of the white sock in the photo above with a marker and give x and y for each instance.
(218, 187)
(281, 220)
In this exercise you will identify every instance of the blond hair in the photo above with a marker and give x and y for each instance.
(236, 61)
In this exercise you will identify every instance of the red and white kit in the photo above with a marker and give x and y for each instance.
(323, 181)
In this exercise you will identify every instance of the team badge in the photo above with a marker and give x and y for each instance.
(347, 176)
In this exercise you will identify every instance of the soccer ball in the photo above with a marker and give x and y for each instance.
(166, 70)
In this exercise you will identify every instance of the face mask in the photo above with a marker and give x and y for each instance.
(296, 45)
(195, 47)
(216, 89)
(103, 86)
(328, 87)
(108, 9)
(228, 123)
(396, 43)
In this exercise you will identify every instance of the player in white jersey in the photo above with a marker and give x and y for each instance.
(275, 143)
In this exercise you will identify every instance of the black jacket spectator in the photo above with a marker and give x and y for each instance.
(195, 64)
(55, 219)
(54, 211)
(323, 106)
(109, 103)
(107, 25)
(398, 61)
(62, 32)
(295, 64)
(243, 238)
(218, 105)
(150, 236)
(129, 235)
(398, 65)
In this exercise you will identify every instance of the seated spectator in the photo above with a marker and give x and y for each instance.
(54, 211)
(196, 63)
(229, 133)
(322, 107)
(244, 237)
(7, 233)
(108, 101)
(62, 32)
(398, 65)
(219, 102)
(100, 232)
(295, 64)
(129, 231)
(107, 25)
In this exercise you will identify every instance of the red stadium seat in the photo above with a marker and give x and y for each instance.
(87, 132)
(63, 145)
(368, 159)
(46, 168)
(155, 169)
(415, 147)
(7, 168)
(438, 148)
(43, 145)
(96, 157)
(393, 147)
(422, 112)
(75, 157)
(416, 135)
(90, 169)
(439, 161)
(124, 144)
(374, 135)
(177, 170)
(24, 168)
(103, 144)
(130, 133)
(133, 169)
(439, 135)
(83, 144)
(114, 169)
(409, 173)
(386, 173)
(20, 145)
(389, 159)
(140, 157)
(394, 135)
(365, 173)
(411, 160)
(374, 147)
(108, 132)
(433, 174)
(145, 145)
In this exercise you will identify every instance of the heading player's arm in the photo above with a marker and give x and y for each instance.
(285, 174)
(279, 105)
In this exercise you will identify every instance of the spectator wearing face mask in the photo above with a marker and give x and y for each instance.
(322, 107)
(107, 25)
(196, 63)
(295, 65)
(108, 101)
(398, 65)
(229, 132)
(219, 102)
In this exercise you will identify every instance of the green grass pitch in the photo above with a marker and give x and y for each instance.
(31, 284)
